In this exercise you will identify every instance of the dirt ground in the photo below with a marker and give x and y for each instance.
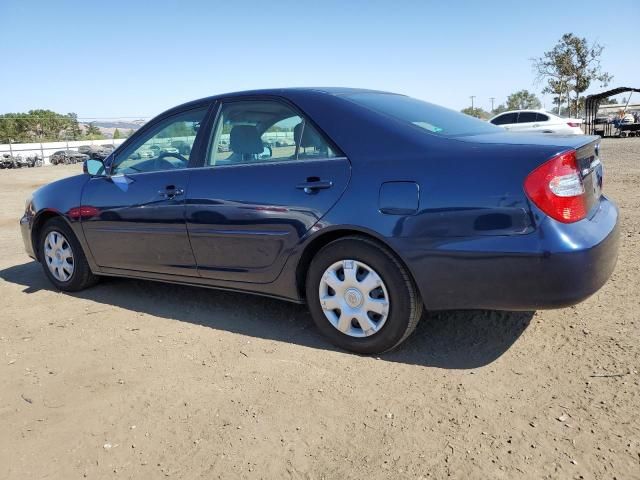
(136, 379)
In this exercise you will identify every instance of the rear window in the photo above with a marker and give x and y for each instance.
(432, 118)
(527, 117)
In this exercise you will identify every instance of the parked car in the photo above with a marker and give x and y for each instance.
(96, 151)
(67, 157)
(7, 161)
(143, 153)
(155, 149)
(538, 121)
(17, 161)
(102, 152)
(169, 150)
(182, 147)
(86, 149)
(388, 206)
(34, 161)
(25, 162)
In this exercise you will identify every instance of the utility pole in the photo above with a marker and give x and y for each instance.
(492, 99)
(472, 97)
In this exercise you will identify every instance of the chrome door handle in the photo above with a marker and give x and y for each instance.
(313, 186)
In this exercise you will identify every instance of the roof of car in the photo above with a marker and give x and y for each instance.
(536, 110)
(284, 92)
(281, 91)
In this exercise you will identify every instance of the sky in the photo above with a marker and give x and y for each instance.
(124, 59)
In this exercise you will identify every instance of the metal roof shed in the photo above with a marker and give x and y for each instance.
(592, 103)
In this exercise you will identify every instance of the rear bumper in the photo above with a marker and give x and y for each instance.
(556, 266)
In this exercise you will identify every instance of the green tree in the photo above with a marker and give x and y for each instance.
(499, 109)
(93, 133)
(116, 134)
(129, 133)
(523, 100)
(476, 112)
(608, 101)
(571, 66)
(12, 128)
(38, 126)
(73, 131)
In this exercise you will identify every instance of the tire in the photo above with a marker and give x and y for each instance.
(383, 333)
(79, 275)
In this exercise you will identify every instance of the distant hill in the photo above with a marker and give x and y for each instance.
(107, 127)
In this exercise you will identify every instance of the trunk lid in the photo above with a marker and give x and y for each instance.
(541, 139)
(587, 148)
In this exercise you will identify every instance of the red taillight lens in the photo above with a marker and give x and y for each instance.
(556, 188)
(573, 124)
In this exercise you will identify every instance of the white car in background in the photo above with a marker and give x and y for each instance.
(537, 121)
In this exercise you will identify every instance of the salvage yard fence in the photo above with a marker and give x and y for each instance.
(44, 150)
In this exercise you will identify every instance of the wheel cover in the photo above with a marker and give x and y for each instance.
(58, 256)
(354, 298)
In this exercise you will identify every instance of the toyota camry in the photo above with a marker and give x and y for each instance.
(367, 206)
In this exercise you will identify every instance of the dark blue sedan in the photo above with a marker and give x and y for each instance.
(368, 206)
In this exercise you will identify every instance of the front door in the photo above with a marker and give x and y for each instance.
(139, 208)
(269, 177)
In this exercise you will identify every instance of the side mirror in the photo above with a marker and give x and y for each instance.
(94, 167)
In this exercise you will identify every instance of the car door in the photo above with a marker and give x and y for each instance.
(137, 220)
(269, 176)
(525, 123)
(506, 120)
(543, 123)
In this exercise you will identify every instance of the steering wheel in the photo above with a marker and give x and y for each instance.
(160, 160)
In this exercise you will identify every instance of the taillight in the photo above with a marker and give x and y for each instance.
(556, 188)
(573, 124)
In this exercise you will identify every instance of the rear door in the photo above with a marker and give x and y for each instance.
(526, 122)
(269, 176)
(542, 123)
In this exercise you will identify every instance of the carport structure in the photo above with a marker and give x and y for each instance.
(592, 103)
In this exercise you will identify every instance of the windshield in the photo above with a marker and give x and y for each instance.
(432, 118)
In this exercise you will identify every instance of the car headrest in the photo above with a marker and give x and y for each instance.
(305, 136)
(245, 139)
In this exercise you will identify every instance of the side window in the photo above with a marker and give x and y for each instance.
(541, 117)
(264, 131)
(505, 119)
(527, 117)
(167, 146)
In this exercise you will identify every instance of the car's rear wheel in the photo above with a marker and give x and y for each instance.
(361, 297)
(62, 258)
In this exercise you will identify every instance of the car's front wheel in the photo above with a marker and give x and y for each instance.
(361, 297)
(62, 258)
